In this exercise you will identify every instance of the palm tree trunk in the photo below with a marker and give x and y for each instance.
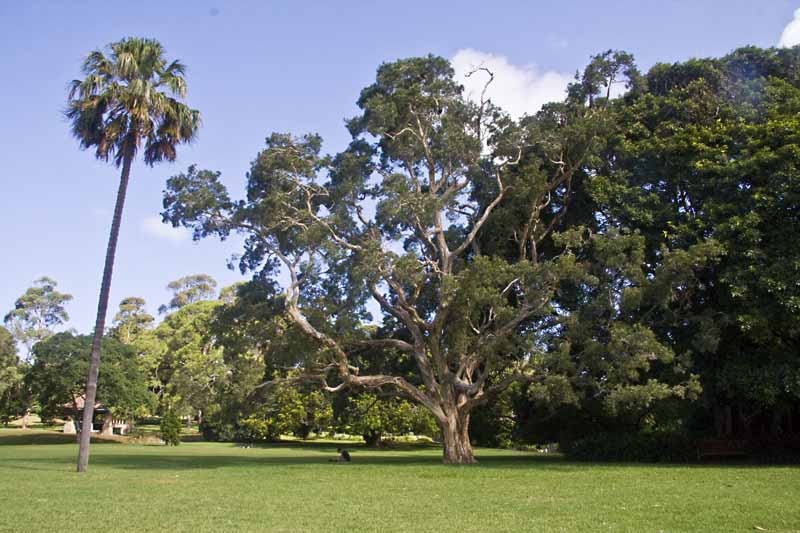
(100, 323)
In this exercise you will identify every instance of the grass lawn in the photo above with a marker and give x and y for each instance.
(202, 486)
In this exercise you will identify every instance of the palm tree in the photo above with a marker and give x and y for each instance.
(130, 100)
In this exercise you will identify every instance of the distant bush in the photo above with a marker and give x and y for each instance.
(255, 429)
(171, 428)
(217, 430)
(655, 447)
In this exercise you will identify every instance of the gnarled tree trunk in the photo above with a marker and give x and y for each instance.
(455, 438)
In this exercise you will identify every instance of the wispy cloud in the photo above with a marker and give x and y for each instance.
(556, 42)
(101, 212)
(517, 89)
(152, 225)
(791, 33)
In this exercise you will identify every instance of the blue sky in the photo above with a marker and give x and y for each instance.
(258, 67)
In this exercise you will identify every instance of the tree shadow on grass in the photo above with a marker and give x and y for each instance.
(288, 455)
(34, 437)
(308, 453)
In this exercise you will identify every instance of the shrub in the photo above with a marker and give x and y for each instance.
(171, 428)
(655, 447)
(214, 429)
(254, 429)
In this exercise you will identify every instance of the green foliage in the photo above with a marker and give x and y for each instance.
(287, 410)
(183, 361)
(36, 312)
(188, 290)
(656, 447)
(131, 320)
(9, 362)
(58, 376)
(373, 418)
(170, 428)
(494, 425)
(12, 391)
(131, 96)
(704, 162)
(490, 253)
(616, 258)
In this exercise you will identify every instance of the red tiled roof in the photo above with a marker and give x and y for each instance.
(79, 402)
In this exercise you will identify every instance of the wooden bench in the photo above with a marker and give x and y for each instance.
(721, 448)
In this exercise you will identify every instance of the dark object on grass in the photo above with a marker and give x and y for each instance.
(344, 456)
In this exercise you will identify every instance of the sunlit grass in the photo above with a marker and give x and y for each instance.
(293, 487)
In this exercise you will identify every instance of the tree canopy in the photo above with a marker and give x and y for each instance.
(58, 376)
(190, 289)
(36, 312)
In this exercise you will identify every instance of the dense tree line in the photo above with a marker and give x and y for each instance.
(607, 264)
(700, 160)
(615, 270)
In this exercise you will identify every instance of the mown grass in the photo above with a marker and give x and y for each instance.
(293, 487)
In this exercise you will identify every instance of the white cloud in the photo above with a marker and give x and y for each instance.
(791, 33)
(516, 89)
(152, 225)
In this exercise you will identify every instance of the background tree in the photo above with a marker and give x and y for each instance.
(187, 365)
(58, 377)
(131, 320)
(128, 101)
(252, 335)
(374, 418)
(37, 312)
(708, 151)
(286, 410)
(188, 290)
(229, 293)
(11, 375)
(439, 166)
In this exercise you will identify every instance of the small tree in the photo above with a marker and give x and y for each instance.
(171, 428)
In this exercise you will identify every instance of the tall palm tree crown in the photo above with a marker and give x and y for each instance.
(131, 97)
(129, 100)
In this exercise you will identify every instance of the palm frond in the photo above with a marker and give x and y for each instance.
(131, 96)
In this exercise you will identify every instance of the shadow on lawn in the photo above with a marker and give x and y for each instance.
(35, 437)
(189, 457)
(362, 458)
(244, 458)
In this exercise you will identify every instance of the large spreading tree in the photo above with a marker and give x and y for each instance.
(398, 217)
(129, 101)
